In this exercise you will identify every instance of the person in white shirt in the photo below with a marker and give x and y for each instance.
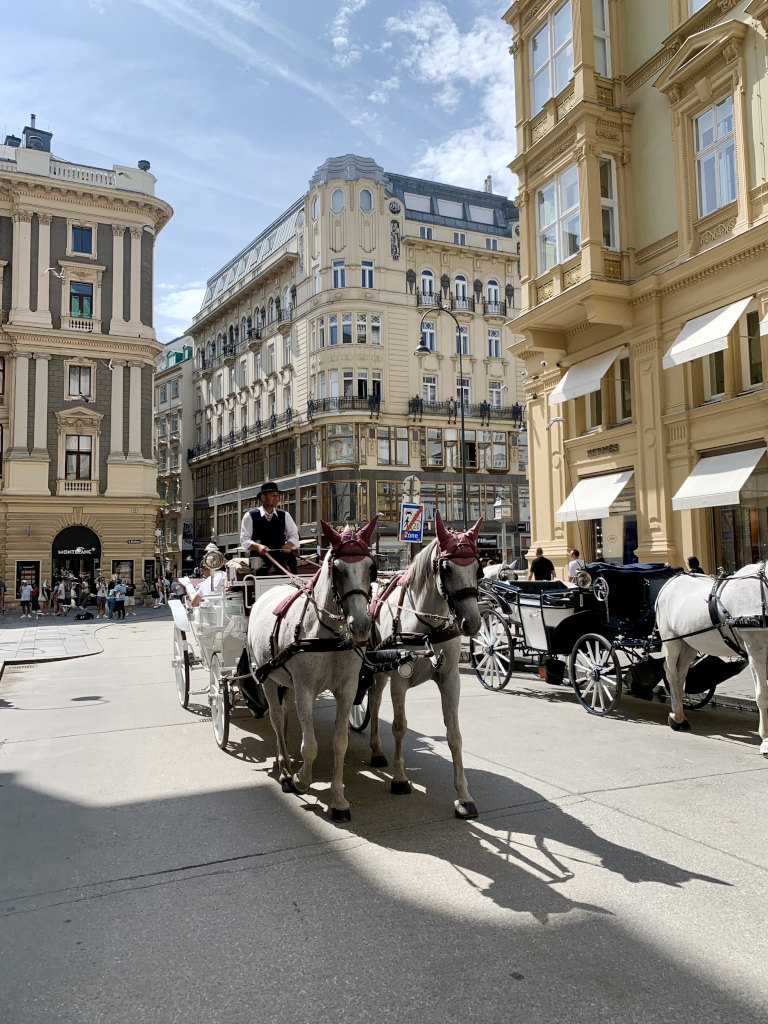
(268, 529)
(25, 596)
(575, 565)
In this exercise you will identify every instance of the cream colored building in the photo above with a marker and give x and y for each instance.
(305, 365)
(643, 197)
(174, 430)
(77, 351)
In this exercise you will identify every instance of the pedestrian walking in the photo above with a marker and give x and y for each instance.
(45, 596)
(130, 598)
(25, 596)
(101, 598)
(36, 612)
(120, 600)
(541, 567)
(111, 599)
(61, 596)
(575, 565)
(159, 593)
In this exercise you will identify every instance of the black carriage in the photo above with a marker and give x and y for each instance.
(599, 635)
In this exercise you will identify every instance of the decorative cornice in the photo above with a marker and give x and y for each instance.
(656, 248)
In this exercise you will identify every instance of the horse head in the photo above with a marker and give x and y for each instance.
(458, 571)
(352, 571)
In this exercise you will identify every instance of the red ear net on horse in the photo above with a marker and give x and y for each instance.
(459, 547)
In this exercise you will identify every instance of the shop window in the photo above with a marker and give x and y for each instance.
(715, 156)
(551, 57)
(558, 232)
(388, 498)
(226, 518)
(470, 450)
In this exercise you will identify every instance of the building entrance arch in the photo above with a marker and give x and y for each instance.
(77, 550)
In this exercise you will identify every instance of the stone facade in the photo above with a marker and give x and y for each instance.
(76, 247)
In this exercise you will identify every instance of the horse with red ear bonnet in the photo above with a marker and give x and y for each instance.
(310, 644)
(435, 601)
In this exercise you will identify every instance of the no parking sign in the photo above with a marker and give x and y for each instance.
(411, 523)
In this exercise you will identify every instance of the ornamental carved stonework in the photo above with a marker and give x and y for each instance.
(572, 276)
(717, 231)
(564, 106)
(546, 291)
(605, 95)
(540, 129)
(612, 269)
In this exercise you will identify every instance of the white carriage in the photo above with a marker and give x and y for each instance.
(212, 636)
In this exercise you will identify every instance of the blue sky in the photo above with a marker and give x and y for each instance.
(235, 103)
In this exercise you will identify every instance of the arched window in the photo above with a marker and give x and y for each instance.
(427, 282)
(315, 208)
(461, 286)
(219, 344)
(287, 299)
(493, 293)
(243, 329)
(257, 318)
(271, 308)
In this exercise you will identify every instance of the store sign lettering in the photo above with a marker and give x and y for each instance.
(607, 449)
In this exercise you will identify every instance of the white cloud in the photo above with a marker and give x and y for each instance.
(175, 306)
(347, 51)
(383, 87)
(472, 74)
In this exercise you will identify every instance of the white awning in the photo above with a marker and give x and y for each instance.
(764, 325)
(717, 480)
(704, 334)
(592, 497)
(583, 378)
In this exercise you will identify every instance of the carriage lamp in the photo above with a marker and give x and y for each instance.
(583, 580)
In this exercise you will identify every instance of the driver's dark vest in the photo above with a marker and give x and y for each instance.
(270, 532)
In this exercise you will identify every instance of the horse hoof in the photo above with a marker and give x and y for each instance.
(379, 761)
(764, 748)
(467, 809)
(400, 788)
(340, 815)
(684, 726)
(287, 786)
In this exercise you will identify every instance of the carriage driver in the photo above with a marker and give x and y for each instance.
(268, 528)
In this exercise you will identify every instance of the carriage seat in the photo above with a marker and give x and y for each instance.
(525, 586)
(646, 570)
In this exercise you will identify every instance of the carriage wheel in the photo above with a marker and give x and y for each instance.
(360, 715)
(595, 673)
(218, 695)
(181, 666)
(492, 650)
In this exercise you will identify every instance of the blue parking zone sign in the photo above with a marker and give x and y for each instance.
(411, 523)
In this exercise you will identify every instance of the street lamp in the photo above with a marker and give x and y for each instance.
(422, 350)
(159, 536)
(502, 511)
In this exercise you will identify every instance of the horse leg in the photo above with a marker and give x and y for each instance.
(449, 688)
(678, 656)
(337, 802)
(376, 692)
(398, 689)
(305, 705)
(278, 719)
(758, 666)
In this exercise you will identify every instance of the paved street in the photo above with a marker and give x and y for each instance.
(617, 872)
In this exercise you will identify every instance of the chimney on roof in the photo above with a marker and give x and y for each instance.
(488, 185)
(32, 121)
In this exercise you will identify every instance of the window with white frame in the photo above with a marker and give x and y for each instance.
(78, 449)
(333, 330)
(429, 389)
(313, 336)
(82, 239)
(243, 373)
(175, 388)
(333, 383)
(462, 339)
(425, 231)
(751, 353)
(494, 343)
(321, 332)
(347, 383)
(428, 334)
(315, 207)
(346, 328)
(461, 286)
(495, 393)
(174, 423)
(321, 384)
(272, 404)
(460, 237)
(362, 383)
(601, 29)
(232, 379)
(339, 274)
(427, 282)
(287, 350)
(492, 293)
(286, 398)
(161, 427)
(257, 368)
(492, 243)
(623, 391)
(244, 418)
(557, 219)
(552, 57)
(462, 391)
(366, 274)
(715, 156)
(361, 329)
(271, 359)
(80, 383)
(375, 328)
(608, 206)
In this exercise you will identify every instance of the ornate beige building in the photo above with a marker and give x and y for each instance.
(306, 371)
(643, 197)
(77, 351)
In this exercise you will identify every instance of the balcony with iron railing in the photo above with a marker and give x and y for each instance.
(494, 308)
(236, 438)
(344, 403)
(450, 411)
(462, 303)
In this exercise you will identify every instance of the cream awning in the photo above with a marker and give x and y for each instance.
(593, 496)
(717, 480)
(704, 334)
(583, 378)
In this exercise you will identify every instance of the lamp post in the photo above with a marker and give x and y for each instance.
(421, 351)
(160, 537)
(502, 511)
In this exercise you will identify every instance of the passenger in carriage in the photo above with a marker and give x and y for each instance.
(694, 566)
(268, 529)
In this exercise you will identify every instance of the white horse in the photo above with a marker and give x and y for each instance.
(685, 626)
(311, 648)
(435, 600)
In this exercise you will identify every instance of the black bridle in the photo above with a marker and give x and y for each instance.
(340, 598)
(439, 565)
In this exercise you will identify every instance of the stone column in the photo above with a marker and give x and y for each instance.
(19, 447)
(117, 322)
(136, 235)
(43, 263)
(134, 413)
(116, 414)
(40, 444)
(22, 239)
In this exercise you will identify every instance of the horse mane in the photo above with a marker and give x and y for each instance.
(421, 573)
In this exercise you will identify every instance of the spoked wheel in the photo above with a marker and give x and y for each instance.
(219, 698)
(595, 674)
(491, 650)
(694, 701)
(181, 666)
(360, 715)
